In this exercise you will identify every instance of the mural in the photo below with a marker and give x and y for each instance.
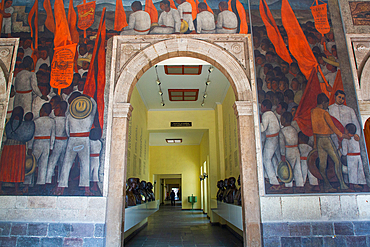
(310, 137)
(54, 137)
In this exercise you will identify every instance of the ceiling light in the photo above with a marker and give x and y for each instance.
(174, 140)
(202, 104)
(205, 95)
(162, 104)
(160, 93)
(208, 82)
(158, 82)
(210, 69)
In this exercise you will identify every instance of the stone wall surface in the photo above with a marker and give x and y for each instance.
(330, 233)
(53, 209)
(51, 234)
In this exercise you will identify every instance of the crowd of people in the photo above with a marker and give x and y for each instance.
(280, 89)
(63, 138)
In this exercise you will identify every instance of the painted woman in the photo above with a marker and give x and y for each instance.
(12, 163)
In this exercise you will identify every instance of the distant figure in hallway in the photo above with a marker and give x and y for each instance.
(172, 195)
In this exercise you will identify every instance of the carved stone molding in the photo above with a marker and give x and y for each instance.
(243, 108)
(130, 45)
(122, 110)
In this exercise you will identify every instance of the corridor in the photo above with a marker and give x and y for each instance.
(171, 226)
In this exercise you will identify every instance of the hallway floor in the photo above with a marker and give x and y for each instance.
(171, 226)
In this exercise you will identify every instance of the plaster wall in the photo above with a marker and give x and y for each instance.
(182, 160)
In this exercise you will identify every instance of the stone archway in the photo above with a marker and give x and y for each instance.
(131, 57)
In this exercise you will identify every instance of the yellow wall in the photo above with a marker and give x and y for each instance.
(201, 120)
(138, 140)
(230, 134)
(182, 160)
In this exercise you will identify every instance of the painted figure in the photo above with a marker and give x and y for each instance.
(351, 149)
(139, 21)
(304, 150)
(185, 12)
(344, 115)
(271, 127)
(323, 127)
(12, 163)
(7, 17)
(26, 86)
(169, 20)
(43, 141)
(95, 149)
(60, 144)
(288, 139)
(78, 126)
(227, 21)
(205, 20)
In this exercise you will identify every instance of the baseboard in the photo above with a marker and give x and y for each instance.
(132, 235)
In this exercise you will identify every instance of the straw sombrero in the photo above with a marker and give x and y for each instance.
(30, 165)
(82, 59)
(80, 107)
(285, 172)
(184, 26)
(331, 60)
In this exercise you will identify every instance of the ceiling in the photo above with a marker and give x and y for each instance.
(149, 92)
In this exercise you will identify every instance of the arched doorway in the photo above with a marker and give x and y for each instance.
(130, 59)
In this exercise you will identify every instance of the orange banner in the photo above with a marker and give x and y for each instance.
(320, 14)
(62, 66)
(86, 15)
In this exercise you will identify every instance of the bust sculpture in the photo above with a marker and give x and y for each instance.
(136, 191)
(227, 187)
(231, 192)
(221, 189)
(149, 188)
(238, 195)
(142, 191)
(131, 199)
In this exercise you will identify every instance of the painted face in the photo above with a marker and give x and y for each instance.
(27, 44)
(279, 109)
(274, 85)
(284, 68)
(8, 4)
(269, 58)
(282, 86)
(340, 98)
(294, 85)
(162, 6)
(85, 65)
(293, 111)
(43, 54)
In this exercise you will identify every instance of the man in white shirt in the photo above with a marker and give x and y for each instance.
(344, 115)
(205, 20)
(227, 21)
(169, 20)
(139, 21)
(185, 12)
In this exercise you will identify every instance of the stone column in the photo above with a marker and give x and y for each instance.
(248, 174)
(117, 175)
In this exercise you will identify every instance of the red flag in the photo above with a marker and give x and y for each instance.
(119, 17)
(62, 34)
(152, 11)
(298, 44)
(72, 22)
(33, 20)
(172, 4)
(243, 26)
(307, 103)
(367, 136)
(49, 22)
(95, 81)
(273, 32)
(208, 8)
(338, 85)
(194, 8)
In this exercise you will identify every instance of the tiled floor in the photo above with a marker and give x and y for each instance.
(171, 226)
